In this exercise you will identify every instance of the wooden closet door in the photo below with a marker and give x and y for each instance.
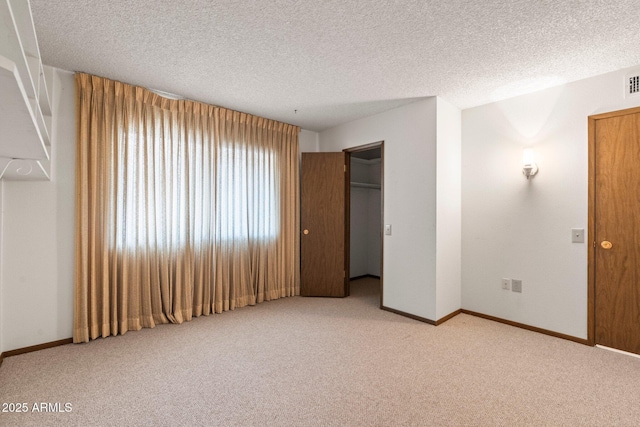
(322, 222)
(617, 231)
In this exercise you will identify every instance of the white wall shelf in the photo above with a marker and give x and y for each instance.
(25, 104)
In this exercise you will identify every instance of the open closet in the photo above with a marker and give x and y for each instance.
(366, 213)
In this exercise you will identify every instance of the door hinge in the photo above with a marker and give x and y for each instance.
(344, 273)
(345, 168)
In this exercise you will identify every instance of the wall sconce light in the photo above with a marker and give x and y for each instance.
(529, 166)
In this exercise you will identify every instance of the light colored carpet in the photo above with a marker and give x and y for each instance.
(315, 361)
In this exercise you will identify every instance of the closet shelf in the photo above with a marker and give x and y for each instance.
(25, 122)
(365, 185)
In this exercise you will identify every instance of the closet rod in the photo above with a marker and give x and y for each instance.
(365, 185)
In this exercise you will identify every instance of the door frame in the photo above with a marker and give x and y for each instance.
(591, 242)
(347, 222)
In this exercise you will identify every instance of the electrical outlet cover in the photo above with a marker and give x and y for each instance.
(506, 284)
(516, 285)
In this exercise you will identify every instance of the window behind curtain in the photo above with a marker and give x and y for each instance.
(237, 195)
(183, 209)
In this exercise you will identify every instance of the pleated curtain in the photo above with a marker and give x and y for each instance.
(183, 209)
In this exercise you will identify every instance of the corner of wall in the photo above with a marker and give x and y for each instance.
(409, 135)
(309, 141)
(448, 208)
(518, 228)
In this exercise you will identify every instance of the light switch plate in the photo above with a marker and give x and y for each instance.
(577, 235)
(387, 229)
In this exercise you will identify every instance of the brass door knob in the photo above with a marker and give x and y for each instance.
(305, 232)
(606, 244)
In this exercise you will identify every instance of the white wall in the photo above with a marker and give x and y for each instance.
(409, 134)
(359, 170)
(366, 220)
(374, 233)
(359, 239)
(308, 141)
(2, 348)
(515, 228)
(38, 239)
(448, 209)
(359, 214)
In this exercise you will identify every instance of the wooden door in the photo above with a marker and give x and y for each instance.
(322, 222)
(617, 229)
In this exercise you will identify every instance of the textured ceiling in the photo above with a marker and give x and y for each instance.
(337, 60)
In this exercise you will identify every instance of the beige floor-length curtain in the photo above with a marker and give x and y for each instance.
(183, 209)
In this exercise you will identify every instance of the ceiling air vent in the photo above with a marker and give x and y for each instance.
(632, 84)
